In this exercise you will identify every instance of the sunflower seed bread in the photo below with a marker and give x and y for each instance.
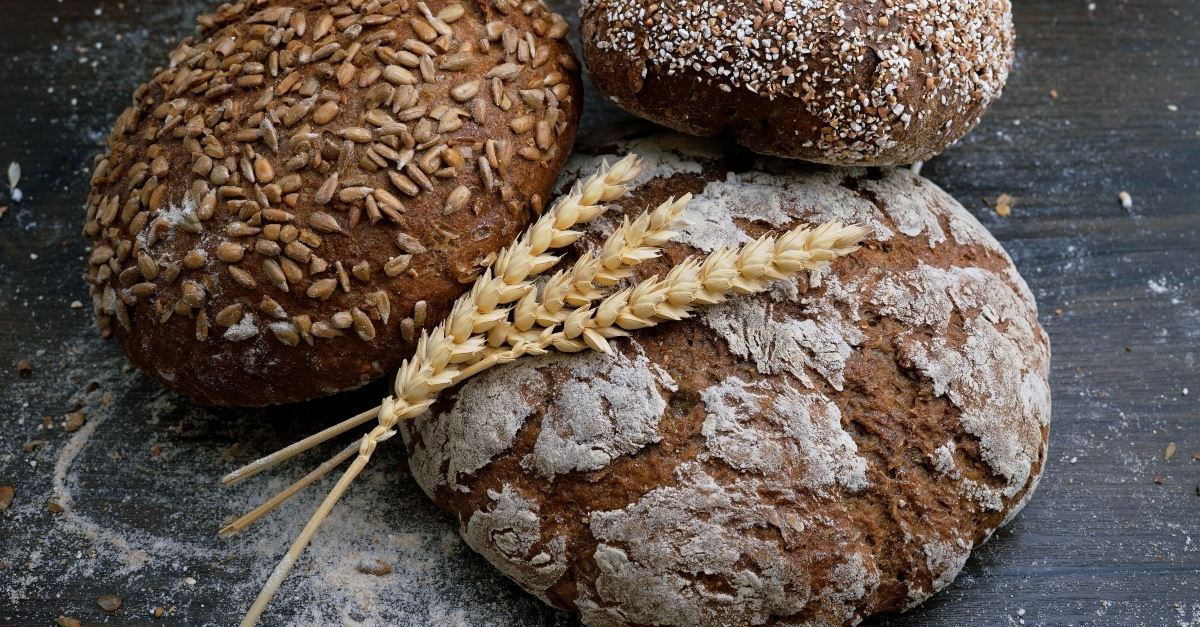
(826, 452)
(309, 183)
(831, 81)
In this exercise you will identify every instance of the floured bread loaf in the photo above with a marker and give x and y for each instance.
(311, 182)
(843, 82)
(823, 453)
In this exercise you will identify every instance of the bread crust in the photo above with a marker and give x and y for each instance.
(309, 184)
(823, 453)
(840, 83)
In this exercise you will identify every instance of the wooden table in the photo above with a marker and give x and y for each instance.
(1103, 100)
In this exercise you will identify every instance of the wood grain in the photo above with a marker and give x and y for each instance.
(1111, 538)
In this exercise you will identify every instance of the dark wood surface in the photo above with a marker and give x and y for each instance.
(1112, 536)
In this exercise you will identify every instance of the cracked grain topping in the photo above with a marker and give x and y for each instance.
(320, 171)
(865, 71)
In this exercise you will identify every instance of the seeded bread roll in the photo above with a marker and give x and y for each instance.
(826, 452)
(842, 83)
(311, 183)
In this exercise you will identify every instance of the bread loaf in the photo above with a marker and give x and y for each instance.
(827, 452)
(310, 183)
(836, 82)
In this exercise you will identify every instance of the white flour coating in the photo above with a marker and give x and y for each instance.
(775, 201)
(243, 330)
(853, 580)
(173, 216)
(945, 560)
(481, 425)
(781, 432)
(506, 534)
(983, 378)
(662, 156)
(822, 343)
(944, 460)
(651, 552)
(614, 409)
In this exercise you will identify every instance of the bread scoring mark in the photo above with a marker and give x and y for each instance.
(651, 552)
(614, 409)
(507, 533)
(482, 423)
(1000, 369)
(769, 431)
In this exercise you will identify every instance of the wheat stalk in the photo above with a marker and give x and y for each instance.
(551, 231)
(442, 354)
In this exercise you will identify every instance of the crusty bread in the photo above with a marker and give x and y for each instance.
(826, 452)
(310, 183)
(836, 82)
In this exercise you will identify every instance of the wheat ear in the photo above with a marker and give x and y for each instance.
(748, 269)
(631, 243)
(454, 344)
(581, 205)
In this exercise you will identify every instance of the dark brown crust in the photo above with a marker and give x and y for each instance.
(828, 124)
(888, 407)
(265, 369)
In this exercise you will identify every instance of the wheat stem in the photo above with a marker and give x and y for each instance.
(264, 464)
(442, 354)
(279, 499)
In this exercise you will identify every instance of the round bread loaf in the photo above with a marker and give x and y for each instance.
(826, 452)
(842, 83)
(311, 182)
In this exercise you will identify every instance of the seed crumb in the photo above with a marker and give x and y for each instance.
(1004, 204)
(76, 305)
(159, 611)
(3, 210)
(378, 568)
(67, 621)
(1184, 391)
(24, 367)
(1158, 480)
(33, 445)
(1054, 94)
(109, 602)
(1170, 452)
(1172, 108)
(14, 175)
(55, 508)
(1126, 200)
(6, 496)
(75, 420)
